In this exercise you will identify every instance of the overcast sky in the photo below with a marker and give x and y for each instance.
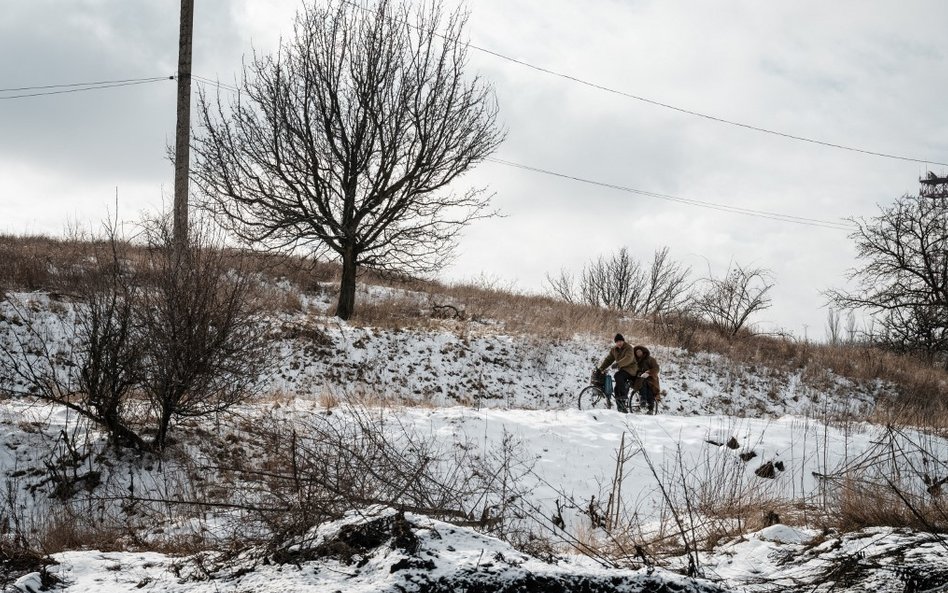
(867, 74)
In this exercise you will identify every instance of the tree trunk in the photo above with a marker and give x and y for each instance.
(164, 423)
(122, 435)
(346, 306)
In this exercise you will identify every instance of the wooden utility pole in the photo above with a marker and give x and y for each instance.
(182, 149)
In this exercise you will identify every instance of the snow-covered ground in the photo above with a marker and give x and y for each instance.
(478, 365)
(595, 484)
(566, 466)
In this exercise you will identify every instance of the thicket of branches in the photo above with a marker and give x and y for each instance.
(141, 343)
(320, 467)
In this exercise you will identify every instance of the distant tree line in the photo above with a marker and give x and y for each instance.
(665, 287)
(899, 285)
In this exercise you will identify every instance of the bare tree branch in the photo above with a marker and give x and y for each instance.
(728, 302)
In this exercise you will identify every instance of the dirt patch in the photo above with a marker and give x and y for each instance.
(353, 544)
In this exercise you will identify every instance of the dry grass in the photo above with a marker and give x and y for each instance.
(860, 505)
(39, 263)
(63, 531)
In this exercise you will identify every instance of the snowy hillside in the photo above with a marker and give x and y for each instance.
(478, 364)
(480, 367)
(744, 479)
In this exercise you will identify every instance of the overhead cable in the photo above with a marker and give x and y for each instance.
(836, 225)
(711, 117)
(664, 105)
(217, 83)
(77, 87)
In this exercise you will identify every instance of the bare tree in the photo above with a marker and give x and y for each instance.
(346, 141)
(621, 282)
(563, 286)
(613, 282)
(902, 278)
(852, 329)
(728, 302)
(834, 327)
(666, 284)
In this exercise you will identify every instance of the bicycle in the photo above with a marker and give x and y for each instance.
(598, 394)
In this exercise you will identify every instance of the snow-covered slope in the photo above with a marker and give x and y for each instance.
(726, 433)
(479, 367)
(477, 364)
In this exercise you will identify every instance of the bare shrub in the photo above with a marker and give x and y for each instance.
(87, 358)
(316, 468)
(179, 328)
(897, 483)
(728, 302)
(681, 327)
(860, 505)
(204, 347)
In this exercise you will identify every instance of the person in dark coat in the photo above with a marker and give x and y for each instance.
(646, 378)
(621, 357)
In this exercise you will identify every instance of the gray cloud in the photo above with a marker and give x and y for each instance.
(869, 74)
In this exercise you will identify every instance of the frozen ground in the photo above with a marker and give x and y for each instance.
(566, 466)
(725, 432)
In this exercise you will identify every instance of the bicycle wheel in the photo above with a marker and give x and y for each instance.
(593, 398)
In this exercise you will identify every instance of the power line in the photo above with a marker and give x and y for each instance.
(699, 203)
(217, 83)
(711, 205)
(664, 105)
(77, 84)
(79, 87)
(710, 117)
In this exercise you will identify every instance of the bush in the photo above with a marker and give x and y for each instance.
(180, 328)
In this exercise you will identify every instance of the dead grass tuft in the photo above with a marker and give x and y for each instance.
(860, 505)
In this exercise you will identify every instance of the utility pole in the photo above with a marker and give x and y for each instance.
(182, 149)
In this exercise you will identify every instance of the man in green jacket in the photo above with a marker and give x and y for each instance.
(622, 357)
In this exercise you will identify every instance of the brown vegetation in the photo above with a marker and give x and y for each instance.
(919, 389)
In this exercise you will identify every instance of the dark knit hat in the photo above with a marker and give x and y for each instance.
(618, 338)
